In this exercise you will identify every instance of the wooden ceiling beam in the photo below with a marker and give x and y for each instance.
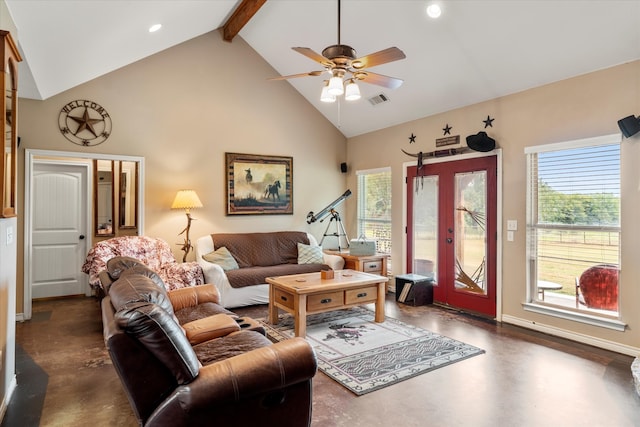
(243, 13)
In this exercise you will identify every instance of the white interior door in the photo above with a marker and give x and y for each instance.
(58, 229)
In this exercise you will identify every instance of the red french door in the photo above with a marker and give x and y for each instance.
(451, 230)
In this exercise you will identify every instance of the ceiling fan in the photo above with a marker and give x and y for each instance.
(341, 62)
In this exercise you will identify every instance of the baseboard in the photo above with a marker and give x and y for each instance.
(7, 397)
(573, 336)
(19, 317)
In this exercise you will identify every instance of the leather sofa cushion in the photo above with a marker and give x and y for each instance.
(138, 288)
(210, 327)
(257, 275)
(118, 264)
(229, 346)
(262, 249)
(161, 335)
(189, 314)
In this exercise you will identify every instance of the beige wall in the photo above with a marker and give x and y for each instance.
(580, 107)
(182, 109)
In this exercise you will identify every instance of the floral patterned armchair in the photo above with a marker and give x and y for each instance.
(155, 253)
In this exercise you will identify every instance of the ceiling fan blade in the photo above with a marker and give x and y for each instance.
(311, 54)
(292, 76)
(378, 58)
(378, 79)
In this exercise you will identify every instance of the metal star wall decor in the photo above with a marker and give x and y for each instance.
(412, 138)
(488, 122)
(447, 129)
(84, 122)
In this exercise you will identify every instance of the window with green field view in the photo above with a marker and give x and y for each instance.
(574, 224)
(374, 206)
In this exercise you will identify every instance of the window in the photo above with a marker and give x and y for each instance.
(374, 206)
(573, 227)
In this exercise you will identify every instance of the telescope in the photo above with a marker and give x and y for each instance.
(335, 216)
(320, 216)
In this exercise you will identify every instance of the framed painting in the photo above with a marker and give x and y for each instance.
(258, 185)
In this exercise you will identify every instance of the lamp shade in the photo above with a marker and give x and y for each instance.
(336, 87)
(325, 96)
(186, 199)
(352, 91)
(629, 126)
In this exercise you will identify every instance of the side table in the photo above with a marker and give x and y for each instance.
(374, 264)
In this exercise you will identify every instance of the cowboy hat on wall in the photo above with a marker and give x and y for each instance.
(481, 142)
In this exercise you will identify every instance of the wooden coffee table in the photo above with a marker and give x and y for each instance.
(303, 294)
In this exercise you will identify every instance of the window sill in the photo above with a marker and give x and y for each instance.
(588, 319)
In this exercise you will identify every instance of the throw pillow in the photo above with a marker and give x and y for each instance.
(308, 254)
(223, 258)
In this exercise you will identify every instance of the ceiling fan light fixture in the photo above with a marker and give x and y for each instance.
(325, 96)
(352, 91)
(336, 87)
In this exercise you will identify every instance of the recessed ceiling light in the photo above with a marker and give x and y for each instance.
(154, 28)
(434, 11)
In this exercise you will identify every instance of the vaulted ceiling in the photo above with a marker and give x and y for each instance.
(477, 50)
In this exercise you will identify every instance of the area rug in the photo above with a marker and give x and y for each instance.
(365, 356)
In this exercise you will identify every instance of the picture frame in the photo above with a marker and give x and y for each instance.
(259, 184)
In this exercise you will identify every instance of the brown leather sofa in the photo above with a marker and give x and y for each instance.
(238, 378)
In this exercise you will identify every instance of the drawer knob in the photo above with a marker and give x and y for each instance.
(325, 301)
(283, 298)
(362, 295)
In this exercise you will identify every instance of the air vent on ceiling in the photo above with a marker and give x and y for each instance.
(378, 99)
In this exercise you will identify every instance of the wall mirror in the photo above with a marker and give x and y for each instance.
(128, 194)
(9, 85)
(103, 192)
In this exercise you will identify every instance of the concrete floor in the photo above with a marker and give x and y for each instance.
(524, 378)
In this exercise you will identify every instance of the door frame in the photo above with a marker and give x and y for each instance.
(476, 154)
(35, 156)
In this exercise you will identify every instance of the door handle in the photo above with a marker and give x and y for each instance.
(449, 240)
(81, 237)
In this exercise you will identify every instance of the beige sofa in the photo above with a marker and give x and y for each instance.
(258, 256)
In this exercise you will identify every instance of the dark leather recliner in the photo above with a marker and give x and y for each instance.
(239, 379)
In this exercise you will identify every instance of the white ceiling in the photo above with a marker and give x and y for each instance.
(477, 50)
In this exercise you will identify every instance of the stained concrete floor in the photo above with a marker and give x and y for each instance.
(524, 378)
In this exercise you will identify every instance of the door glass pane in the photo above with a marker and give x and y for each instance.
(425, 226)
(470, 232)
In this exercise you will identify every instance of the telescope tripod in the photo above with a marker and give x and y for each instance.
(340, 231)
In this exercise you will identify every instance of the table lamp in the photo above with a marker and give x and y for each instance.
(186, 199)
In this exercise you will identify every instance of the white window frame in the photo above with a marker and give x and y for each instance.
(359, 220)
(532, 304)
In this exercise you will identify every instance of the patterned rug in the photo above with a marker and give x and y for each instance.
(365, 356)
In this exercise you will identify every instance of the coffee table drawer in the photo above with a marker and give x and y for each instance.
(362, 295)
(325, 300)
(284, 298)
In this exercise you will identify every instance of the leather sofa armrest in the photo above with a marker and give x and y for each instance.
(193, 295)
(258, 371)
(210, 327)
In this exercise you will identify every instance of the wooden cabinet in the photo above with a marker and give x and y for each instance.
(374, 264)
(9, 163)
